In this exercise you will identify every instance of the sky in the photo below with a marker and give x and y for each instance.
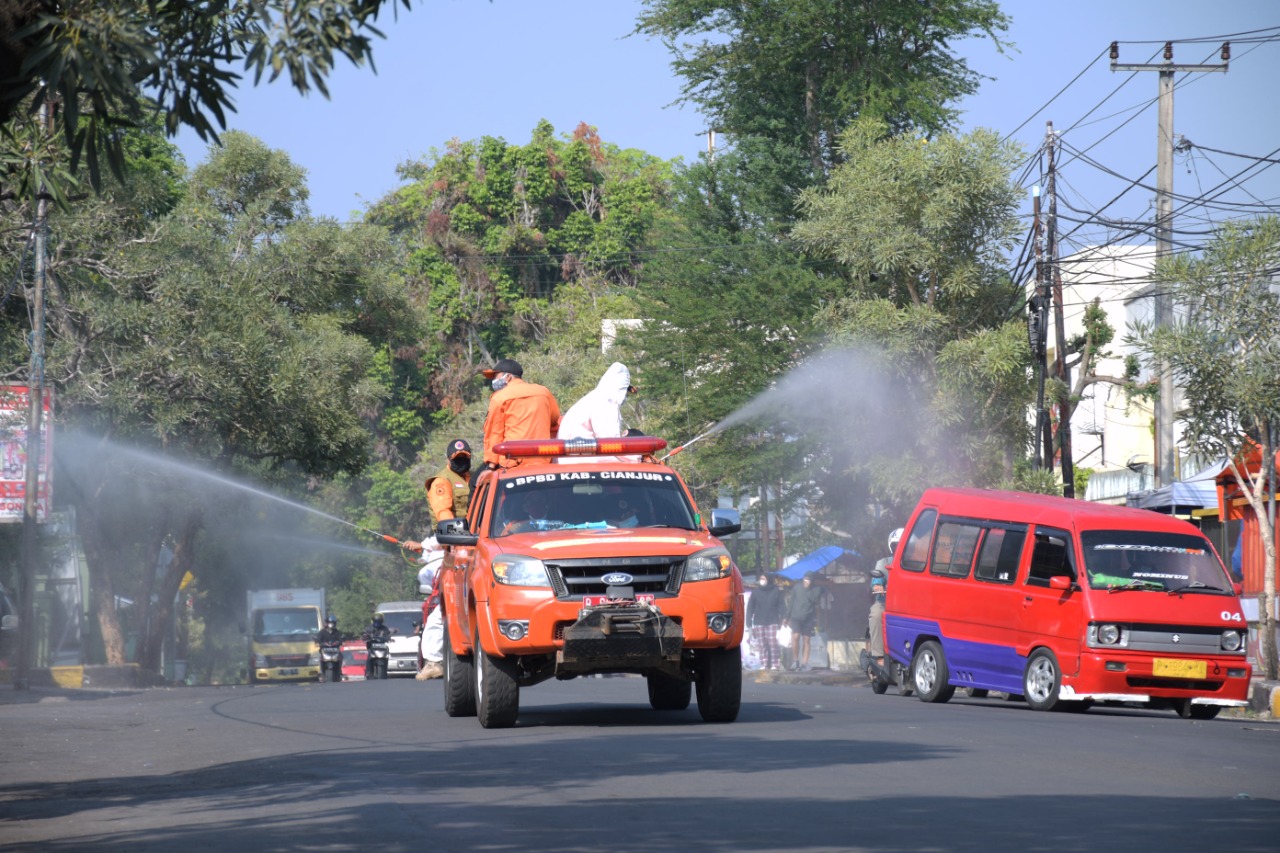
(470, 68)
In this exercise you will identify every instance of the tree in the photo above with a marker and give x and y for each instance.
(107, 65)
(233, 332)
(939, 350)
(1224, 350)
(798, 71)
(492, 231)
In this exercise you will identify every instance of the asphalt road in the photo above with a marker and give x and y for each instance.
(379, 767)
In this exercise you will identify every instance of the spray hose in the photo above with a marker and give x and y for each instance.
(686, 444)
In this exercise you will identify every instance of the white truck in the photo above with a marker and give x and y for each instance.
(282, 626)
(402, 617)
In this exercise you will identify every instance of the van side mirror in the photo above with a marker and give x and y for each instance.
(1060, 582)
(1237, 588)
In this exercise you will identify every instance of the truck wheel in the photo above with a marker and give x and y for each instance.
(497, 693)
(669, 694)
(719, 684)
(1042, 680)
(929, 668)
(459, 681)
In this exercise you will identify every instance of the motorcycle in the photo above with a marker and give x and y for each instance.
(379, 654)
(331, 661)
(883, 676)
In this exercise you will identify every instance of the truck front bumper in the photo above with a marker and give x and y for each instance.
(619, 638)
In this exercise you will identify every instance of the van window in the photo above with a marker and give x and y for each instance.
(998, 559)
(1051, 557)
(1152, 561)
(916, 551)
(953, 549)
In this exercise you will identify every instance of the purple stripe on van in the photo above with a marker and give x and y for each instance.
(969, 663)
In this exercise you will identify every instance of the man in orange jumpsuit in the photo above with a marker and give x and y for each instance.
(517, 409)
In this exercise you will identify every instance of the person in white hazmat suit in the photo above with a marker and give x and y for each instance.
(431, 640)
(599, 413)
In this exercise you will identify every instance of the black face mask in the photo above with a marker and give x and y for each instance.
(461, 465)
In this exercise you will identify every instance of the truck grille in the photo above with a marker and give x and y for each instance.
(572, 579)
(286, 660)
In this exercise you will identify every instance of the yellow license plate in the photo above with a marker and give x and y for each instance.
(1175, 668)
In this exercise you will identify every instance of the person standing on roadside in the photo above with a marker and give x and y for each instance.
(764, 615)
(517, 410)
(802, 617)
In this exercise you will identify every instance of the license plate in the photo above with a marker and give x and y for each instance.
(600, 600)
(291, 671)
(1175, 668)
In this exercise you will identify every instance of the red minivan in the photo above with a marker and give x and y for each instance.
(1064, 602)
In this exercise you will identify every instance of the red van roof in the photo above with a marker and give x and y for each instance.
(997, 505)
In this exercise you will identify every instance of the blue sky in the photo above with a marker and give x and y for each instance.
(469, 68)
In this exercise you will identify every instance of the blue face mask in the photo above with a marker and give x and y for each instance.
(499, 382)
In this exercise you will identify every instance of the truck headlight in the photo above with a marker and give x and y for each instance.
(518, 570)
(711, 564)
(259, 661)
(314, 659)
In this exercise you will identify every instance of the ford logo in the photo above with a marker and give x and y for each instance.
(617, 579)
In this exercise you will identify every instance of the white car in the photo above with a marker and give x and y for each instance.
(402, 617)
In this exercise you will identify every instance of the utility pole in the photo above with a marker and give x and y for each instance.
(35, 413)
(1054, 281)
(1166, 471)
(1037, 335)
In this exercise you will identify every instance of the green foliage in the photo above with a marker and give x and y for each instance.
(798, 71)
(95, 60)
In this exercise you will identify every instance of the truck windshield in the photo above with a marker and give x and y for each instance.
(285, 623)
(591, 501)
(1159, 562)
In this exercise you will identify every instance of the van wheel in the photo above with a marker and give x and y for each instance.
(719, 684)
(1042, 680)
(929, 669)
(667, 693)
(459, 681)
(497, 693)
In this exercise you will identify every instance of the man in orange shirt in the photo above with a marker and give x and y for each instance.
(517, 409)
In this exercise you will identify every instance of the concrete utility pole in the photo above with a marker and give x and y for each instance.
(1053, 284)
(1166, 470)
(35, 412)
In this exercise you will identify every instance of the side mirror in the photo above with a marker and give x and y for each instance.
(1060, 582)
(9, 623)
(453, 531)
(724, 522)
(1238, 588)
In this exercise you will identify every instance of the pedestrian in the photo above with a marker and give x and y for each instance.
(599, 413)
(802, 618)
(764, 614)
(517, 410)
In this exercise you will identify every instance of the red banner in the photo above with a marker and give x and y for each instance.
(15, 402)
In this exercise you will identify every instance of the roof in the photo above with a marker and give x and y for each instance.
(813, 561)
(1025, 507)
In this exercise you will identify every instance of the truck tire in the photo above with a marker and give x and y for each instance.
(497, 693)
(459, 681)
(667, 693)
(719, 684)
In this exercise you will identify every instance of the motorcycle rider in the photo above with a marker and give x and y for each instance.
(330, 636)
(377, 630)
(875, 617)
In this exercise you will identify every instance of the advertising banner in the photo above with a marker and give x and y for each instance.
(14, 404)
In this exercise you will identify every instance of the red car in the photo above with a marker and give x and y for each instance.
(354, 654)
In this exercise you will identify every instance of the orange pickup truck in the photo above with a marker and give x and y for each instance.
(589, 557)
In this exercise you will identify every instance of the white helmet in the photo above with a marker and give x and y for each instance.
(894, 538)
